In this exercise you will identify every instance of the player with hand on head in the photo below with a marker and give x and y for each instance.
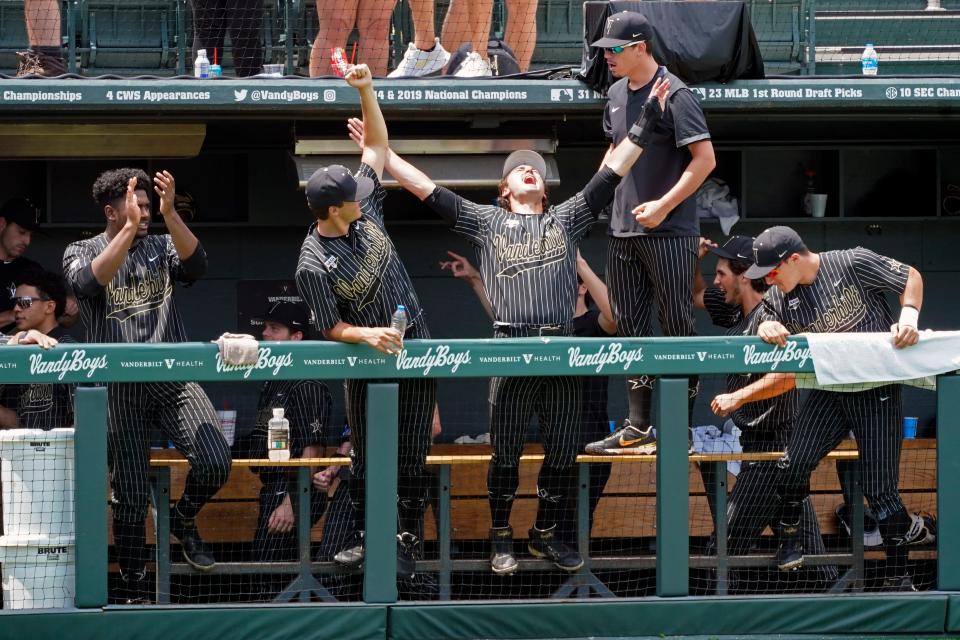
(124, 282)
(527, 255)
(842, 291)
(351, 277)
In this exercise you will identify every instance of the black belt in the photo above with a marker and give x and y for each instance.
(533, 330)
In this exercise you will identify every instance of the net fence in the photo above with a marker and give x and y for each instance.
(419, 38)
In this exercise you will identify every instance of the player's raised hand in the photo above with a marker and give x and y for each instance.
(660, 90)
(384, 339)
(165, 186)
(459, 267)
(355, 131)
(904, 335)
(724, 404)
(359, 77)
(131, 208)
(773, 332)
(704, 247)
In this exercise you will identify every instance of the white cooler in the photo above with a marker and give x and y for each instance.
(36, 470)
(38, 572)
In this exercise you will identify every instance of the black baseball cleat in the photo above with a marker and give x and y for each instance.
(923, 530)
(408, 548)
(502, 560)
(790, 552)
(544, 544)
(871, 531)
(351, 556)
(134, 589)
(195, 552)
(628, 437)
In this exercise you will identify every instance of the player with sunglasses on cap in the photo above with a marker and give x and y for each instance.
(654, 227)
(527, 252)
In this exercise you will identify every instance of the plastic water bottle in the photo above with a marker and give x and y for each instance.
(399, 320)
(278, 436)
(201, 66)
(870, 61)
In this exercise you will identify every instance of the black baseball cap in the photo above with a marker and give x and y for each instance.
(527, 157)
(290, 314)
(739, 248)
(772, 247)
(334, 185)
(23, 212)
(623, 28)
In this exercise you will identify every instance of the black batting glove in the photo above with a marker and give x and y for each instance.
(642, 130)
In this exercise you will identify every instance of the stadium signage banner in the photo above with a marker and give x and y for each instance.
(419, 358)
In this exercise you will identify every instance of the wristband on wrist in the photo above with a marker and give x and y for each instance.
(642, 130)
(909, 316)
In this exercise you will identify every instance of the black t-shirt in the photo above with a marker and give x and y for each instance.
(41, 406)
(358, 278)
(663, 160)
(764, 415)
(594, 414)
(11, 275)
(846, 296)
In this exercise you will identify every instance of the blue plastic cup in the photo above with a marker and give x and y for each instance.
(910, 426)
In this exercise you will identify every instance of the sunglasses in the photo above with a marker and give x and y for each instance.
(25, 302)
(623, 47)
(773, 272)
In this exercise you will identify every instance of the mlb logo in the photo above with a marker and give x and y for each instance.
(561, 95)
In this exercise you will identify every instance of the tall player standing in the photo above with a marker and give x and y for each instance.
(351, 277)
(527, 255)
(654, 226)
(841, 292)
(123, 280)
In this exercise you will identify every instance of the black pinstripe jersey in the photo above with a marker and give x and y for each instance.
(755, 416)
(527, 262)
(358, 278)
(138, 304)
(42, 406)
(847, 295)
(306, 405)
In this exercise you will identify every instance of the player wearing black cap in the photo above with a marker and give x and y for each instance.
(837, 292)
(526, 250)
(654, 225)
(351, 277)
(306, 405)
(124, 282)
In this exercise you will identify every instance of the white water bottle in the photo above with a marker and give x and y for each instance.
(278, 437)
(399, 320)
(870, 61)
(201, 66)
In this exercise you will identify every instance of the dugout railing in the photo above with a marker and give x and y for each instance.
(671, 360)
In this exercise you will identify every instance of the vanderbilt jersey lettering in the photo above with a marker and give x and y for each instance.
(358, 278)
(527, 262)
(42, 406)
(137, 305)
(765, 414)
(847, 295)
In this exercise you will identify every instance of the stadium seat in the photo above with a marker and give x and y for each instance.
(559, 33)
(129, 38)
(782, 28)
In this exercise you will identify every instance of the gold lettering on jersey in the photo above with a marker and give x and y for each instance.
(37, 394)
(362, 287)
(844, 310)
(145, 295)
(517, 257)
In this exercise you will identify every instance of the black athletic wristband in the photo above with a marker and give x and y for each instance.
(642, 130)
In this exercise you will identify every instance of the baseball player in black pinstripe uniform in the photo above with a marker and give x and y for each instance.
(351, 277)
(123, 280)
(734, 303)
(527, 256)
(654, 226)
(837, 292)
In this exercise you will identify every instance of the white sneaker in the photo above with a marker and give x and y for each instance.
(474, 66)
(417, 62)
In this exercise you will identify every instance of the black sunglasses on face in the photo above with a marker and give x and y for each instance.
(25, 302)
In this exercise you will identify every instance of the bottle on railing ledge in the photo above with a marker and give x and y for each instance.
(869, 60)
(399, 320)
(201, 66)
(278, 436)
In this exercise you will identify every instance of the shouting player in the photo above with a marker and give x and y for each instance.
(124, 281)
(840, 292)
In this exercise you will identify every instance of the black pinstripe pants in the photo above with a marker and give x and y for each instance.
(184, 413)
(417, 399)
(642, 270)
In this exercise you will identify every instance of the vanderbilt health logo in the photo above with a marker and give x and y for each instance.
(439, 358)
(75, 361)
(265, 360)
(612, 355)
(790, 353)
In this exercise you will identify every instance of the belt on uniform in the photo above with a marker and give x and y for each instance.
(527, 330)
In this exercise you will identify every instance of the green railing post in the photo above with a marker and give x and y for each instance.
(673, 492)
(443, 533)
(380, 570)
(719, 489)
(90, 496)
(948, 470)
